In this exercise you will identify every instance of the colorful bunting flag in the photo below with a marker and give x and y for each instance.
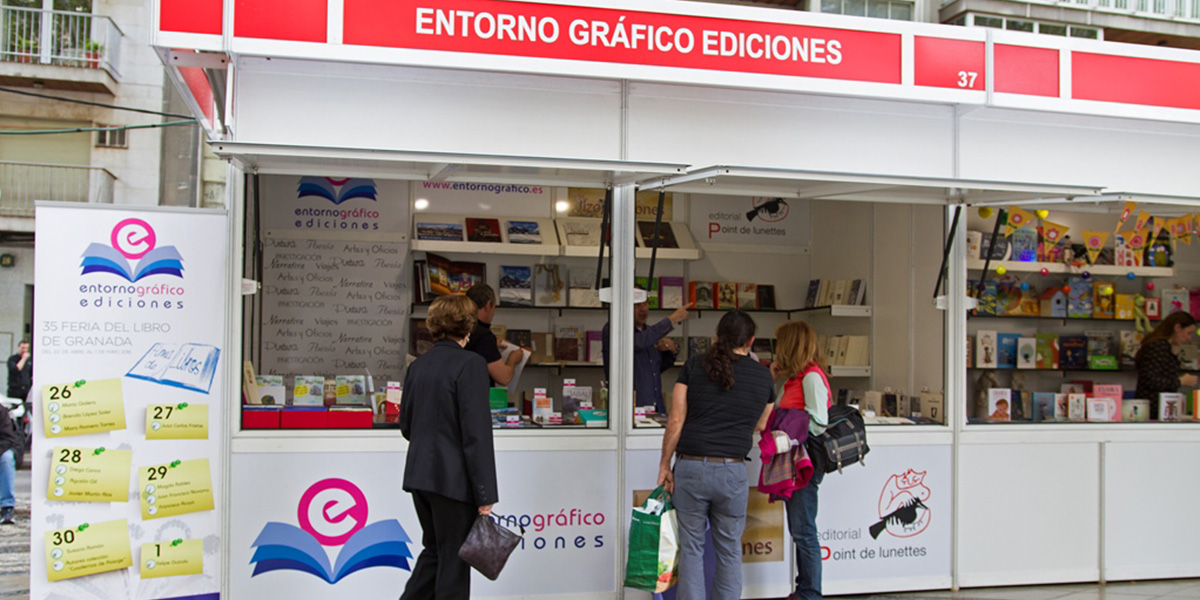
(1129, 208)
(1143, 219)
(1094, 242)
(1138, 239)
(1018, 218)
(1053, 233)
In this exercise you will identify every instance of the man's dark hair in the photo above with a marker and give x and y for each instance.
(481, 294)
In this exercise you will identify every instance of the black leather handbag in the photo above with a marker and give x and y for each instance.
(843, 443)
(488, 546)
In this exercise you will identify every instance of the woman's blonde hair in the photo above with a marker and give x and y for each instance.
(796, 348)
(451, 317)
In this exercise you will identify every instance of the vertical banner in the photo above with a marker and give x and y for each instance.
(128, 400)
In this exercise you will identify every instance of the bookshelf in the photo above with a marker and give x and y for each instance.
(1057, 268)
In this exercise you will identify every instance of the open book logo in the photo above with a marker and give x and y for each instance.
(336, 191)
(132, 239)
(332, 512)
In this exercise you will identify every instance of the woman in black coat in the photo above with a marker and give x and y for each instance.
(451, 465)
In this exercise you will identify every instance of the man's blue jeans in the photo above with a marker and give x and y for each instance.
(802, 523)
(713, 493)
(8, 475)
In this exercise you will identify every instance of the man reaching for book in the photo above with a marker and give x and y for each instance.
(653, 353)
(483, 341)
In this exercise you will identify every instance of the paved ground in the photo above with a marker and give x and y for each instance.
(14, 545)
(14, 574)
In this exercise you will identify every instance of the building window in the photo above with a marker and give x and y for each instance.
(879, 9)
(113, 138)
(977, 20)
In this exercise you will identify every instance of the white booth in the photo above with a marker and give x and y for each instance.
(360, 132)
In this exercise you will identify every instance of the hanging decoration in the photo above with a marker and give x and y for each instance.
(1017, 219)
(1053, 233)
(1138, 239)
(1128, 210)
(1143, 219)
(1157, 225)
(1094, 242)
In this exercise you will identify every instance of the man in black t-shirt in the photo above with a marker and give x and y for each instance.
(483, 342)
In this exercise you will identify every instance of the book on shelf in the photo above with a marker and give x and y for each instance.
(999, 404)
(697, 345)
(843, 345)
(439, 232)
(726, 295)
(1111, 394)
(330, 391)
(747, 296)
(1047, 351)
(858, 351)
(1103, 300)
(764, 349)
(582, 292)
(1024, 245)
(1043, 406)
(543, 406)
(838, 290)
(549, 286)
(666, 235)
(421, 291)
(1124, 307)
(595, 346)
(814, 288)
(970, 351)
(524, 232)
(823, 294)
(308, 390)
(1097, 410)
(858, 292)
(1062, 408)
(1131, 341)
(541, 347)
(999, 249)
(568, 343)
(985, 298)
(499, 330)
(1174, 300)
(351, 389)
(1079, 299)
(1006, 350)
(1170, 406)
(702, 294)
(483, 230)
(1101, 350)
(271, 390)
(1072, 351)
(650, 286)
(520, 337)
(1153, 308)
(584, 232)
(1076, 407)
(449, 277)
(974, 240)
(985, 349)
(670, 291)
(766, 297)
(516, 286)
(1026, 353)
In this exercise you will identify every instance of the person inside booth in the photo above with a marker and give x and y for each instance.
(1157, 360)
(483, 342)
(653, 353)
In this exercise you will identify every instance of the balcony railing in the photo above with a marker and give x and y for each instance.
(21, 184)
(54, 37)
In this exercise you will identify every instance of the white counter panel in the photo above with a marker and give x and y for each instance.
(1150, 525)
(1028, 513)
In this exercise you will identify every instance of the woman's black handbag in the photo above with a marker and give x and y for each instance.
(488, 546)
(843, 443)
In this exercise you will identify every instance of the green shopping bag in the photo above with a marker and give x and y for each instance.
(653, 562)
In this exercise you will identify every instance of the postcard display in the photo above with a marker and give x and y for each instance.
(129, 403)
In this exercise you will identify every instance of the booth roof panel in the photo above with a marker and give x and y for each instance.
(436, 166)
(819, 185)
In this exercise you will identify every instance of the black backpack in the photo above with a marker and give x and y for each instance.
(843, 443)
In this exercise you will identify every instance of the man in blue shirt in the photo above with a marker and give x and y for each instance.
(653, 353)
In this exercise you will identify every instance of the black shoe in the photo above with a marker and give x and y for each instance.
(6, 516)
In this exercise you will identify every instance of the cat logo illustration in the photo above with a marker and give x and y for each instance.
(902, 509)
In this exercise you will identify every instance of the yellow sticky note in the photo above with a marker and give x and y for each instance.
(177, 422)
(175, 488)
(87, 550)
(83, 407)
(171, 559)
(89, 474)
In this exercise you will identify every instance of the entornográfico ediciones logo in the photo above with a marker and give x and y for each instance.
(337, 191)
(134, 255)
(332, 512)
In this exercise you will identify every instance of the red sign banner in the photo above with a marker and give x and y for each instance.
(623, 36)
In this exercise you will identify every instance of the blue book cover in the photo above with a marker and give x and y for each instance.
(986, 298)
(1079, 300)
(1043, 406)
(281, 546)
(1006, 350)
(1072, 351)
(1024, 245)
